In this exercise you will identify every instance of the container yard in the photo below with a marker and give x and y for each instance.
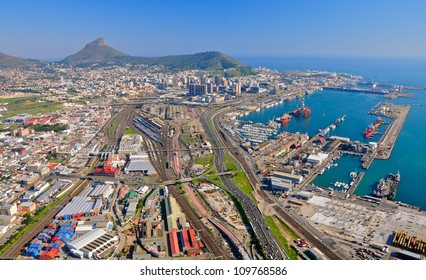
(49, 242)
(412, 243)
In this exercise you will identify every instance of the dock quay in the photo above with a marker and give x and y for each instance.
(374, 110)
(398, 114)
(386, 143)
(367, 159)
(384, 92)
(356, 182)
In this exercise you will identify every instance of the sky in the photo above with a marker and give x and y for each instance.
(49, 29)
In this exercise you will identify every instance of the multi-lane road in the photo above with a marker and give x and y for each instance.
(258, 225)
(316, 238)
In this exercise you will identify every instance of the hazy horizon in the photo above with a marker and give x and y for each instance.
(56, 29)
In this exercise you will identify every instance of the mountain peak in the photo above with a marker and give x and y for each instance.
(100, 42)
(95, 52)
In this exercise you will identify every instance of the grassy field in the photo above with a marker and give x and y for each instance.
(129, 131)
(28, 106)
(240, 179)
(212, 177)
(229, 163)
(189, 140)
(283, 241)
(111, 127)
(207, 160)
(288, 230)
(18, 99)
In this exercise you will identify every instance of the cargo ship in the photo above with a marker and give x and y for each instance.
(370, 131)
(302, 112)
(386, 188)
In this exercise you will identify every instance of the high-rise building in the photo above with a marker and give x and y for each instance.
(209, 88)
(237, 88)
(218, 80)
(203, 80)
(195, 89)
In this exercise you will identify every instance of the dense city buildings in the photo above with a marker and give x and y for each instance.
(141, 161)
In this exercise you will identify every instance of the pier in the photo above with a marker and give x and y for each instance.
(386, 93)
(398, 114)
(387, 141)
(356, 182)
(367, 159)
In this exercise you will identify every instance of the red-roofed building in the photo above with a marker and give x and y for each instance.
(193, 238)
(189, 242)
(53, 166)
(31, 121)
(108, 170)
(45, 119)
(174, 244)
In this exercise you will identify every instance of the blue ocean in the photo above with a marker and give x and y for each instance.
(409, 154)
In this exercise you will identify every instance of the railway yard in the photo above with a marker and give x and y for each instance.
(193, 184)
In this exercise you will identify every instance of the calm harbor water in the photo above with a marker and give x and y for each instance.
(409, 153)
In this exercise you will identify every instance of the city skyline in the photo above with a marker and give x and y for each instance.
(52, 30)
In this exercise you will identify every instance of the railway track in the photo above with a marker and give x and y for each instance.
(159, 159)
(257, 225)
(300, 229)
(307, 234)
(16, 249)
(198, 225)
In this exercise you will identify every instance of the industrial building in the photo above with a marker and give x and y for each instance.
(9, 209)
(131, 209)
(101, 191)
(189, 243)
(26, 207)
(129, 145)
(97, 242)
(318, 158)
(175, 217)
(140, 163)
(296, 179)
(407, 255)
(278, 184)
(174, 244)
(81, 205)
(304, 195)
(151, 231)
(47, 195)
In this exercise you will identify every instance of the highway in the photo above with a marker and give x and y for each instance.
(258, 225)
(312, 235)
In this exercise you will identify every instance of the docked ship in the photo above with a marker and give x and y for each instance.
(378, 123)
(370, 131)
(303, 111)
(339, 120)
(285, 118)
(387, 187)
